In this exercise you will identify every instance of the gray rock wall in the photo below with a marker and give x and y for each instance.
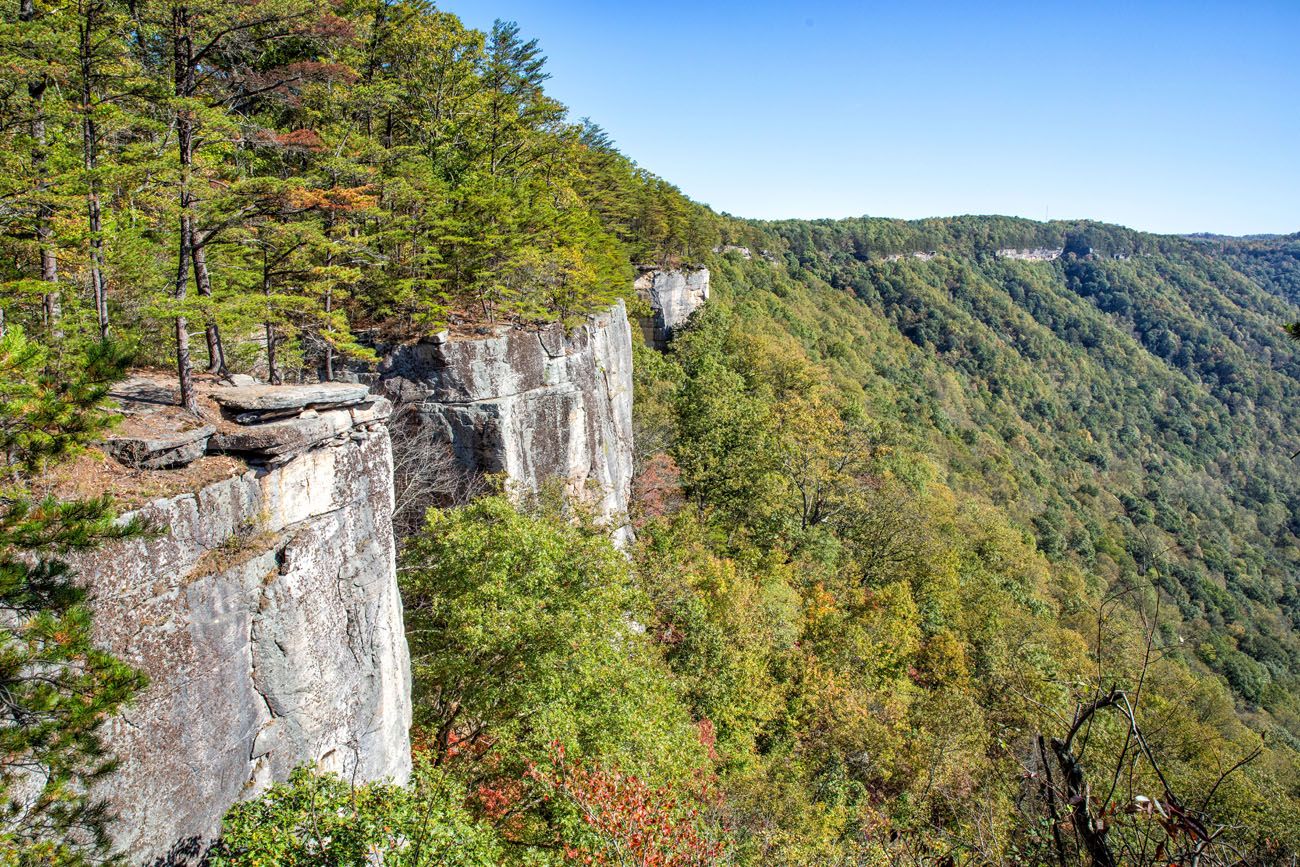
(268, 618)
(673, 296)
(1040, 254)
(533, 404)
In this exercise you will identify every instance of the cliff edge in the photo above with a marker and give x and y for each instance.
(265, 611)
(534, 404)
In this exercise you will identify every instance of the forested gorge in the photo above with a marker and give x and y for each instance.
(1014, 501)
(942, 557)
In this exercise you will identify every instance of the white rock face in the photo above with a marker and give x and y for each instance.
(922, 255)
(673, 296)
(268, 619)
(1040, 254)
(534, 405)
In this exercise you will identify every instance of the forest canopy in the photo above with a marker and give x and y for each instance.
(279, 175)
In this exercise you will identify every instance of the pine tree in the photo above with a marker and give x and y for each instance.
(58, 687)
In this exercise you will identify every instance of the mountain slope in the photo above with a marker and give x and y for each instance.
(1132, 405)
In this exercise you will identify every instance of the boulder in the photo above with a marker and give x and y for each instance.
(377, 410)
(274, 398)
(288, 436)
(163, 451)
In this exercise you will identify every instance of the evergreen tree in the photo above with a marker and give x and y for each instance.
(58, 687)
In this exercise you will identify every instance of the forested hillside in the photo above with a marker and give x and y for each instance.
(1002, 490)
(944, 555)
(1132, 406)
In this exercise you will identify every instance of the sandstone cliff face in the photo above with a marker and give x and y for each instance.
(533, 404)
(267, 616)
(673, 296)
(1039, 254)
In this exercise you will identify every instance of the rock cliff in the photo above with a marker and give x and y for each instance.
(533, 404)
(1038, 254)
(267, 616)
(673, 296)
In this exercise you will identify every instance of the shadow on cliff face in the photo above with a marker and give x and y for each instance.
(426, 472)
(185, 852)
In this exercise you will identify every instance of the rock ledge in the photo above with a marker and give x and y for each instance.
(269, 398)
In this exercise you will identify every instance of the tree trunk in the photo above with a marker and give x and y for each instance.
(272, 373)
(44, 212)
(183, 74)
(1091, 832)
(203, 282)
(184, 368)
(329, 350)
(329, 295)
(90, 159)
(184, 365)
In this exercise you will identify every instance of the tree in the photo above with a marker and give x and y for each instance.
(518, 633)
(106, 75)
(318, 819)
(627, 822)
(58, 686)
(198, 35)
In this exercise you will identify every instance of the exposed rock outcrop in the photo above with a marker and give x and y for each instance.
(735, 248)
(673, 296)
(269, 398)
(1039, 254)
(161, 451)
(533, 404)
(267, 616)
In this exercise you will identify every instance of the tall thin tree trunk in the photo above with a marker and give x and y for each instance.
(272, 372)
(44, 212)
(90, 159)
(329, 295)
(183, 72)
(329, 350)
(203, 282)
(184, 364)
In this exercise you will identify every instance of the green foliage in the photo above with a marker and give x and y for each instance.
(916, 501)
(907, 518)
(58, 687)
(898, 565)
(283, 173)
(520, 635)
(317, 819)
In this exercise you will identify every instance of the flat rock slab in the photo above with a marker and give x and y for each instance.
(269, 398)
(279, 438)
(238, 380)
(142, 396)
(162, 451)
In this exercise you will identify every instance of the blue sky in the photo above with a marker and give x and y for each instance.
(1169, 117)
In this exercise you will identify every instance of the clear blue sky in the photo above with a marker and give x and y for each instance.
(1170, 117)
